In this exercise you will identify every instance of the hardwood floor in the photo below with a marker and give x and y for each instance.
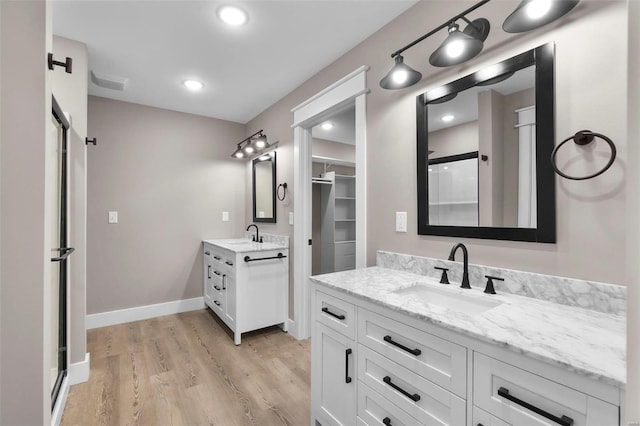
(185, 370)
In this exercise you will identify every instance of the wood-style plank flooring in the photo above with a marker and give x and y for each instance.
(185, 370)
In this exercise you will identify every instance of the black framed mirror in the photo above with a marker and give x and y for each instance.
(264, 188)
(484, 144)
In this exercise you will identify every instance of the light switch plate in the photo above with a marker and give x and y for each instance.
(225, 216)
(401, 221)
(113, 217)
(290, 218)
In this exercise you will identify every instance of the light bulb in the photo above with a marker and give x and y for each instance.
(400, 76)
(260, 143)
(239, 154)
(536, 9)
(232, 15)
(248, 149)
(454, 48)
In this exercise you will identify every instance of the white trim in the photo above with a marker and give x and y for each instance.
(292, 330)
(58, 409)
(122, 316)
(332, 161)
(326, 90)
(78, 372)
(350, 89)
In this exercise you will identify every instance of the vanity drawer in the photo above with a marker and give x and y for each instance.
(336, 314)
(482, 418)
(421, 399)
(435, 359)
(373, 408)
(526, 399)
(345, 249)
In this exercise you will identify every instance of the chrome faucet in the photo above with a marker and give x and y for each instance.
(255, 237)
(465, 266)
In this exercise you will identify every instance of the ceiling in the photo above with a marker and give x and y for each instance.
(158, 44)
(343, 130)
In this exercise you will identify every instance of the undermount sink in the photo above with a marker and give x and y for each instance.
(447, 298)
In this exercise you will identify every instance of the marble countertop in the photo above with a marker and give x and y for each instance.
(586, 342)
(240, 245)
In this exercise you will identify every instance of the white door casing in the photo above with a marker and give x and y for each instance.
(349, 89)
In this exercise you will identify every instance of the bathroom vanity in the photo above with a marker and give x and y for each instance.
(391, 347)
(246, 283)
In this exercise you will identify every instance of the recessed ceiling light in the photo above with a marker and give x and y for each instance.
(232, 15)
(193, 85)
(447, 118)
(536, 9)
(327, 125)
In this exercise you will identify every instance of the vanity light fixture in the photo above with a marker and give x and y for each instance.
(447, 118)
(532, 14)
(232, 15)
(254, 144)
(400, 76)
(460, 46)
(193, 85)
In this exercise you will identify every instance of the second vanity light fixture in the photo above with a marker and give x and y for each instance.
(254, 144)
(460, 46)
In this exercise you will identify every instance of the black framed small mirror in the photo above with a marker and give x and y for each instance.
(484, 144)
(264, 188)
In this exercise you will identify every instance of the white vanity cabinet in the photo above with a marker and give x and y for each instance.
(405, 371)
(247, 290)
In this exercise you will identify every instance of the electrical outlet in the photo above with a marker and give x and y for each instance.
(290, 218)
(225, 216)
(113, 217)
(401, 221)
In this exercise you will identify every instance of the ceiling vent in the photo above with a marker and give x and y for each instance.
(109, 81)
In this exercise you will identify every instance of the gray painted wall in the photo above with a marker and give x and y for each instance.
(170, 177)
(26, 250)
(586, 97)
(454, 140)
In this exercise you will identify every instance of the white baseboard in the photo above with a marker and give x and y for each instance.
(56, 414)
(293, 330)
(122, 316)
(78, 372)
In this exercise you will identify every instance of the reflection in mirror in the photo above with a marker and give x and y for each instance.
(264, 180)
(490, 118)
(483, 146)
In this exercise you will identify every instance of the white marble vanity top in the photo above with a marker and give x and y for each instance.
(241, 245)
(586, 342)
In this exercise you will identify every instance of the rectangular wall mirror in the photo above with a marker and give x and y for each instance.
(264, 188)
(484, 147)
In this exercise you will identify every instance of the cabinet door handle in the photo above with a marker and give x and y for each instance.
(327, 311)
(224, 282)
(415, 397)
(415, 352)
(386, 421)
(347, 379)
(563, 421)
(207, 253)
(209, 271)
(217, 273)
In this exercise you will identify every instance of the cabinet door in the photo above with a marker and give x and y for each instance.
(335, 371)
(229, 291)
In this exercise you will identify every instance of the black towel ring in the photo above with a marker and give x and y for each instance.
(284, 191)
(584, 137)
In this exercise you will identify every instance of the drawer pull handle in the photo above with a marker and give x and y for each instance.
(217, 273)
(415, 397)
(216, 257)
(327, 311)
(216, 287)
(207, 253)
(347, 379)
(229, 263)
(564, 420)
(386, 421)
(216, 302)
(278, 256)
(209, 271)
(415, 352)
(224, 282)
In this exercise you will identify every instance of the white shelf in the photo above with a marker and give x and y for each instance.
(453, 203)
(344, 242)
(332, 161)
(345, 220)
(346, 198)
